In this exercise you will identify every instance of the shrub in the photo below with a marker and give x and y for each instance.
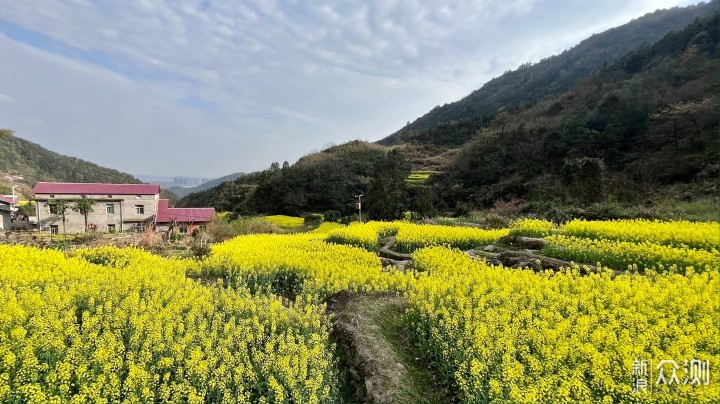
(332, 216)
(313, 219)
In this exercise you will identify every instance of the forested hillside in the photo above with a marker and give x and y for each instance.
(326, 181)
(34, 163)
(455, 123)
(648, 121)
(639, 129)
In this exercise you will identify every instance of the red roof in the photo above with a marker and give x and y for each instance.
(5, 199)
(183, 215)
(95, 189)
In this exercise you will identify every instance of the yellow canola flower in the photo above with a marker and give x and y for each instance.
(111, 325)
(532, 227)
(507, 335)
(700, 235)
(285, 221)
(300, 263)
(624, 255)
(410, 236)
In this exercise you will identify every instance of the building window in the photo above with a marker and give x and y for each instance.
(109, 196)
(183, 229)
(136, 228)
(110, 208)
(54, 229)
(138, 196)
(52, 196)
(53, 208)
(139, 209)
(111, 228)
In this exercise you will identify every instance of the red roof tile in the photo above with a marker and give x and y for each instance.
(5, 199)
(183, 215)
(95, 189)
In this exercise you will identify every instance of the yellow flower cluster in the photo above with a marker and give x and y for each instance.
(628, 255)
(108, 324)
(327, 227)
(506, 335)
(365, 235)
(532, 228)
(136, 330)
(300, 263)
(704, 235)
(411, 236)
(286, 221)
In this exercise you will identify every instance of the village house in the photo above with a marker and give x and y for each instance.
(5, 213)
(118, 207)
(182, 220)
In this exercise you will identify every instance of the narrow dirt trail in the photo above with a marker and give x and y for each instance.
(382, 364)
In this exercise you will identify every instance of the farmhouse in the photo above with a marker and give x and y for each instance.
(182, 220)
(118, 207)
(5, 214)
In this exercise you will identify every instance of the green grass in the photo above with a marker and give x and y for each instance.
(286, 221)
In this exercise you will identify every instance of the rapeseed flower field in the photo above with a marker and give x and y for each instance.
(248, 323)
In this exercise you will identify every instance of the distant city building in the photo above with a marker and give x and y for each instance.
(118, 207)
(189, 181)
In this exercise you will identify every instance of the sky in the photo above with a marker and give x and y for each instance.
(212, 87)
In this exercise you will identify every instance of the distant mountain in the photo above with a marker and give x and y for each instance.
(34, 163)
(455, 123)
(185, 191)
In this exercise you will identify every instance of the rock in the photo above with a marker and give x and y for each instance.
(487, 254)
(385, 252)
(526, 242)
(490, 248)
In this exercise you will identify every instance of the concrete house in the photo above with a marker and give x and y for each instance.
(5, 217)
(118, 207)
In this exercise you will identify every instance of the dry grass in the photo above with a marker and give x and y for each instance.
(150, 239)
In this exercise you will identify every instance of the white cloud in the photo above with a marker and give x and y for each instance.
(206, 83)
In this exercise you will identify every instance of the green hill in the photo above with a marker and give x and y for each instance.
(645, 124)
(30, 163)
(455, 123)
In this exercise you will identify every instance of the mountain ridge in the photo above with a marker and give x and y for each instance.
(551, 75)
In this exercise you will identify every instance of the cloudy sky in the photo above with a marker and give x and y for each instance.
(211, 87)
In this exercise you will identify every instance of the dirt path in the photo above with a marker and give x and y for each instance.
(381, 363)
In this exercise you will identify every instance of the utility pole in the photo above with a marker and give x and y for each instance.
(359, 206)
(12, 205)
